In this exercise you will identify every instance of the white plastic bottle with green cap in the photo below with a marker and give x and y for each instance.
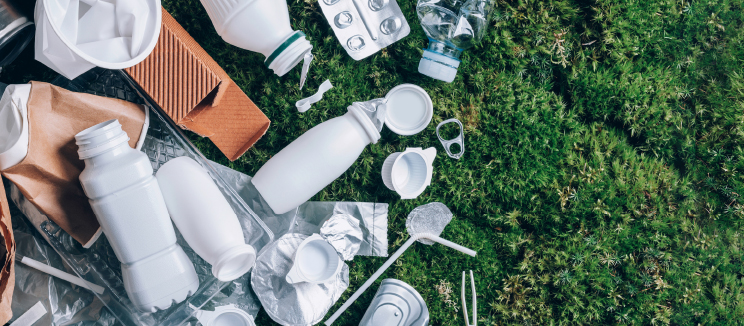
(260, 26)
(452, 27)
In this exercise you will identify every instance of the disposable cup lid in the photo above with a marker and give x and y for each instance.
(409, 109)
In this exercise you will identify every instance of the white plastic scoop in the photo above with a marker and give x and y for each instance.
(424, 217)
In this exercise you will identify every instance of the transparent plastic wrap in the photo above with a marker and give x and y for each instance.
(99, 265)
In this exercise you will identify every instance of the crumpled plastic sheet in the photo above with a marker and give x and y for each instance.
(298, 304)
(66, 304)
(430, 218)
(310, 216)
(342, 231)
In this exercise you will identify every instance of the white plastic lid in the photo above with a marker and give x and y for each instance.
(408, 109)
(438, 66)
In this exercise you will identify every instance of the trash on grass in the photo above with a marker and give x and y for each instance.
(293, 304)
(260, 26)
(409, 173)
(305, 103)
(452, 27)
(475, 301)
(128, 203)
(428, 218)
(459, 140)
(365, 26)
(311, 216)
(73, 36)
(325, 152)
(196, 92)
(396, 303)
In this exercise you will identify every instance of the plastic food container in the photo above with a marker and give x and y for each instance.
(98, 264)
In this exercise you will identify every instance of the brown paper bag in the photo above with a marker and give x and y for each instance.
(48, 176)
(7, 250)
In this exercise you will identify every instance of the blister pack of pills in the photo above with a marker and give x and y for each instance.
(365, 26)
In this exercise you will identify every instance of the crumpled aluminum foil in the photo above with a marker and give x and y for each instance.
(430, 218)
(310, 216)
(300, 304)
(342, 231)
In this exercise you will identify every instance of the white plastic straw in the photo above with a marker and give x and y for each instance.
(31, 316)
(63, 275)
(389, 262)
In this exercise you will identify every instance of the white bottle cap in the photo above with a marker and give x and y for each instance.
(408, 109)
(438, 66)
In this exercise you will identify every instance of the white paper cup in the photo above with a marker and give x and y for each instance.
(58, 52)
(409, 173)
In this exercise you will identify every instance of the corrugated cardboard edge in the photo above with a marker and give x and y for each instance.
(7, 274)
(197, 93)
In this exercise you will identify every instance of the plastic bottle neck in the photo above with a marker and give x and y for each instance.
(102, 142)
(365, 122)
(444, 49)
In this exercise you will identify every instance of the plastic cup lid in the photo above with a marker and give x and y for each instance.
(408, 109)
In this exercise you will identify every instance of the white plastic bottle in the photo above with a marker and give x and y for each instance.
(314, 160)
(260, 26)
(127, 201)
(205, 218)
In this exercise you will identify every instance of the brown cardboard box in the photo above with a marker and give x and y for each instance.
(197, 94)
(7, 250)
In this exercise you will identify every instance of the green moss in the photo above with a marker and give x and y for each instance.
(601, 181)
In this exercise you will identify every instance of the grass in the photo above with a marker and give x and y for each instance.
(601, 182)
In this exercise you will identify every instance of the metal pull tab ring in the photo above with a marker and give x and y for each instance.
(460, 140)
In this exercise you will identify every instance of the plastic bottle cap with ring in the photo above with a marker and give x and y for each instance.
(438, 66)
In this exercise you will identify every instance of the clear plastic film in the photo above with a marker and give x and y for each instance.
(310, 216)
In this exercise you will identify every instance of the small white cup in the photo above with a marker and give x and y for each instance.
(315, 261)
(409, 173)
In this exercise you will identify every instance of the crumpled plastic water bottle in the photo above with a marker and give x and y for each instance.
(452, 27)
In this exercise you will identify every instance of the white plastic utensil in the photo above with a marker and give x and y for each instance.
(315, 261)
(31, 316)
(409, 173)
(475, 302)
(389, 262)
(62, 275)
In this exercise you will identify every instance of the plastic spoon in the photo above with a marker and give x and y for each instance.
(390, 261)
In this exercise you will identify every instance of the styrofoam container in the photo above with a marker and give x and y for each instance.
(58, 52)
(204, 217)
(315, 261)
(409, 173)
